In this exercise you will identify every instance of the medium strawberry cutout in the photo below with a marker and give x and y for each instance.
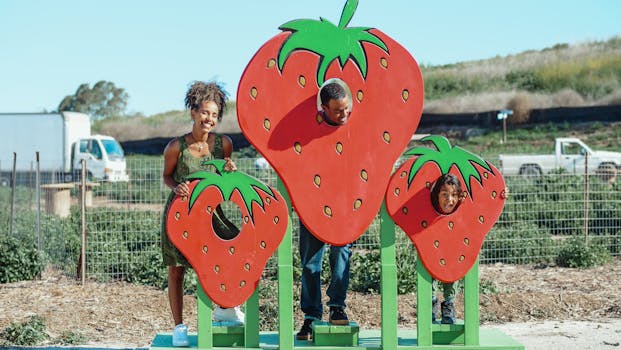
(336, 176)
(227, 269)
(448, 245)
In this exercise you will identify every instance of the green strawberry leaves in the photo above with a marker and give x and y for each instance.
(227, 182)
(445, 156)
(344, 43)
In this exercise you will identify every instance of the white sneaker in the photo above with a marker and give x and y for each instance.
(233, 315)
(180, 335)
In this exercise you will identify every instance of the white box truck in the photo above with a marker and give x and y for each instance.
(62, 140)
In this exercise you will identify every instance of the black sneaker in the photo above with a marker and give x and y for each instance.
(338, 316)
(448, 312)
(306, 332)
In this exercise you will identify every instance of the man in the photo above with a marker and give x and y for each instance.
(336, 107)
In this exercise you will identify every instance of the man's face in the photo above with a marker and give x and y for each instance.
(337, 111)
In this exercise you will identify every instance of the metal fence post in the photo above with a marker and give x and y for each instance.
(586, 199)
(12, 215)
(38, 193)
(83, 214)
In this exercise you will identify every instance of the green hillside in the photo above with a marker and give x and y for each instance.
(564, 75)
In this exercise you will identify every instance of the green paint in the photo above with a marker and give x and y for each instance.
(445, 156)
(285, 281)
(388, 285)
(227, 182)
(345, 44)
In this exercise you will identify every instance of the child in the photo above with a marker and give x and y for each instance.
(446, 196)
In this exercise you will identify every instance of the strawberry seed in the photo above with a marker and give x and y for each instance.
(364, 175)
(359, 95)
(317, 180)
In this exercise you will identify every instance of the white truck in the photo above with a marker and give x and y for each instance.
(570, 154)
(62, 140)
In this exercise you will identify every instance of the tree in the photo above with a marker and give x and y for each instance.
(102, 101)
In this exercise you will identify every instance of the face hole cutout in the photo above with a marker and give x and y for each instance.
(227, 220)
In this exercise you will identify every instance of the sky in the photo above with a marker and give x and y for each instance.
(153, 49)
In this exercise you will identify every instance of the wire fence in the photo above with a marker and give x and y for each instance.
(123, 219)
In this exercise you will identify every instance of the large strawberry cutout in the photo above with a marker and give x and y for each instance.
(227, 269)
(448, 245)
(336, 175)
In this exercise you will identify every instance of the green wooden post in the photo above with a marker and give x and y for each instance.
(251, 323)
(423, 305)
(471, 305)
(388, 284)
(205, 310)
(285, 282)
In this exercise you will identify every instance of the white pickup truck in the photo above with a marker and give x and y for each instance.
(570, 154)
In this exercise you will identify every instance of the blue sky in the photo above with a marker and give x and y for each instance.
(154, 48)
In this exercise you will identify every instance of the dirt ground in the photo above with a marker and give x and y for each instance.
(541, 307)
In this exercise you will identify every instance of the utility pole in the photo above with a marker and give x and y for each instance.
(503, 114)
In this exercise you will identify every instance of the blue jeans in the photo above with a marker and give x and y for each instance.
(311, 254)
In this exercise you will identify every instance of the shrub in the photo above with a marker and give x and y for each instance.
(521, 107)
(366, 270)
(520, 243)
(147, 269)
(30, 332)
(71, 338)
(576, 253)
(19, 261)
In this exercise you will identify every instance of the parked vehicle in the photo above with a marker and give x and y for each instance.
(62, 140)
(570, 154)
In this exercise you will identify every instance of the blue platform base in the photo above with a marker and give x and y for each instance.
(489, 339)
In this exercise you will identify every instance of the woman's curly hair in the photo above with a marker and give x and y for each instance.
(200, 92)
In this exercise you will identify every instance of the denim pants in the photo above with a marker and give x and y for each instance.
(311, 254)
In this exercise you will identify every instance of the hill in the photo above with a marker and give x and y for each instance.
(582, 74)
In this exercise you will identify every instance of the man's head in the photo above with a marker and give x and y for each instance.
(335, 103)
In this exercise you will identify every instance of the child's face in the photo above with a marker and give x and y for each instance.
(448, 199)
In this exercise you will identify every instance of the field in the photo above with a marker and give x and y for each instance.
(544, 307)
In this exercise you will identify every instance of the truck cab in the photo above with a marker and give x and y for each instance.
(104, 158)
(571, 154)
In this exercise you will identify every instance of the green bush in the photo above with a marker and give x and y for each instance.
(576, 253)
(147, 269)
(366, 270)
(519, 243)
(71, 338)
(19, 261)
(26, 333)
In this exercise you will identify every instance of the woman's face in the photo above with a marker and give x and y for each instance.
(448, 199)
(206, 116)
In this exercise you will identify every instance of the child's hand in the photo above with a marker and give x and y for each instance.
(505, 193)
(229, 165)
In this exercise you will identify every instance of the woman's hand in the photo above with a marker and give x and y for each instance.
(182, 189)
(229, 165)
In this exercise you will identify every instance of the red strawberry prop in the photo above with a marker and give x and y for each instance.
(228, 270)
(336, 176)
(448, 245)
